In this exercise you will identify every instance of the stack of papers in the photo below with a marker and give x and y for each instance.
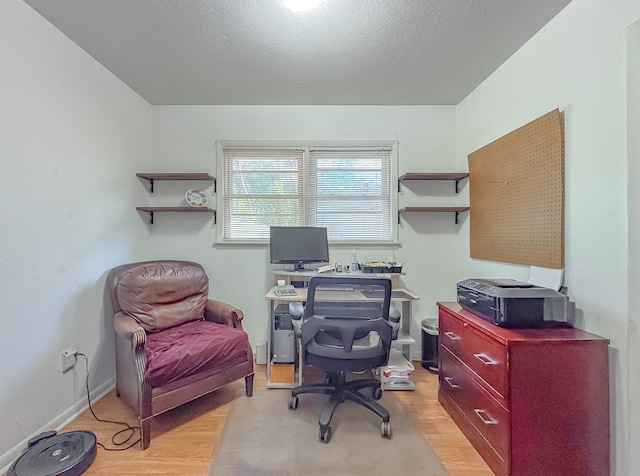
(398, 370)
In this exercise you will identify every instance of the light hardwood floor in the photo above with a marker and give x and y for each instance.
(184, 440)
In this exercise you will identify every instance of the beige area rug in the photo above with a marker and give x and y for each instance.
(263, 436)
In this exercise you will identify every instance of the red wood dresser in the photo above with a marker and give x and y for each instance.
(533, 402)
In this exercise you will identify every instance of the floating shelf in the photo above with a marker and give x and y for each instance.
(456, 210)
(151, 177)
(456, 176)
(151, 210)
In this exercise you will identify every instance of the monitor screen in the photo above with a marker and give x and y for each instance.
(298, 245)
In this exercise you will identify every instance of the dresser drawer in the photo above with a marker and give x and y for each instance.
(554, 419)
(490, 419)
(486, 357)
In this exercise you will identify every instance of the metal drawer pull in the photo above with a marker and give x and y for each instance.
(451, 335)
(486, 420)
(485, 359)
(449, 380)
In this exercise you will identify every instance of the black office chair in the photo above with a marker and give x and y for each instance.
(345, 328)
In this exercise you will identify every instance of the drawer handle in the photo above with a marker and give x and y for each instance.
(451, 335)
(485, 359)
(449, 380)
(482, 414)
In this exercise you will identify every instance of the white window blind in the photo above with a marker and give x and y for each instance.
(346, 189)
(349, 193)
(262, 187)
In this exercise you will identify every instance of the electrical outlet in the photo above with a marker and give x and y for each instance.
(68, 358)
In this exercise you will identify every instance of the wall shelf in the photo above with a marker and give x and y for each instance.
(151, 210)
(455, 176)
(193, 176)
(423, 176)
(151, 177)
(456, 210)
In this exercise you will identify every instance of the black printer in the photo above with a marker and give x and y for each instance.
(511, 303)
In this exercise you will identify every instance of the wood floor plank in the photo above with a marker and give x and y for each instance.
(184, 440)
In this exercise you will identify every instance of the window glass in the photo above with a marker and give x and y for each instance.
(346, 189)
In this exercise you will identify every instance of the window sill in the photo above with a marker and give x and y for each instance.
(334, 245)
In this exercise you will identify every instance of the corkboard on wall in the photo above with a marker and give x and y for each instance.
(517, 196)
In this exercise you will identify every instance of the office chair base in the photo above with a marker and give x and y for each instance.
(340, 391)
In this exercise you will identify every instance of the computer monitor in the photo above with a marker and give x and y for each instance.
(298, 245)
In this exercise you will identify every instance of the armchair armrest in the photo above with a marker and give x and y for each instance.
(126, 326)
(131, 362)
(223, 313)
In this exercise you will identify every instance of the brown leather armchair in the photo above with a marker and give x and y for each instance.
(173, 344)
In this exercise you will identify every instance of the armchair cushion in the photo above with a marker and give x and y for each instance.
(160, 295)
(178, 352)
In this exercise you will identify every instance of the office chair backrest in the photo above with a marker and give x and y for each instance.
(351, 298)
(339, 311)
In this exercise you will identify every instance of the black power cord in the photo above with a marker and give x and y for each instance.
(128, 428)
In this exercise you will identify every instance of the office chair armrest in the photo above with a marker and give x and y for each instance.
(296, 309)
(395, 329)
(223, 313)
(394, 321)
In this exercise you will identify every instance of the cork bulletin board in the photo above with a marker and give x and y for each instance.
(517, 195)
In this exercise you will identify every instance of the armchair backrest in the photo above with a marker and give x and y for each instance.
(340, 311)
(159, 294)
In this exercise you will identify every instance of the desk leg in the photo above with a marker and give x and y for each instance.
(270, 320)
(300, 360)
(406, 327)
(297, 364)
(405, 348)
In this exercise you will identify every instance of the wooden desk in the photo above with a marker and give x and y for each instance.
(399, 295)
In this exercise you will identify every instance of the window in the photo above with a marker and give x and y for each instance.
(344, 188)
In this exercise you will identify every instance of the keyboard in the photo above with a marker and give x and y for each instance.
(335, 288)
(286, 290)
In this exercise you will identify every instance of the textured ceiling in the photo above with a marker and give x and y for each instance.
(394, 52)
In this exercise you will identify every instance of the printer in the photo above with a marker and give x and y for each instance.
(511, 303)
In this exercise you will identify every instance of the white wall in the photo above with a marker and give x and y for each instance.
(577, 64)
(72, 138)
(633, 137)
(184, 139)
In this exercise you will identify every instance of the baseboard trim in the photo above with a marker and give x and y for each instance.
(59, 422)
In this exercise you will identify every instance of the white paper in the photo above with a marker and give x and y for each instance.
(546, 277)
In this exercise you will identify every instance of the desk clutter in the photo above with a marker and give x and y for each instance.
(397, 373)
(381, 267)
(284, 290)
(371, 267)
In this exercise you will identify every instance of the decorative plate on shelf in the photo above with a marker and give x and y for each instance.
(196, 198)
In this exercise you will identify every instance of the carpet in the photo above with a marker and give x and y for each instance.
(262, 436)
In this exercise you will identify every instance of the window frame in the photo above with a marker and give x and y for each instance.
(306, 145)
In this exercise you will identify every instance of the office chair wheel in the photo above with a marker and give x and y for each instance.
(324, 435)
(293, 402)
(385, 429)
(377, 393)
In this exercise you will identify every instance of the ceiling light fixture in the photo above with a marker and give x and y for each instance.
(302, 5)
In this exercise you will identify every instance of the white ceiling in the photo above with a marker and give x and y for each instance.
(395, 52)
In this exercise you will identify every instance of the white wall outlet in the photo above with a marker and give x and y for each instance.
(68, 358)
